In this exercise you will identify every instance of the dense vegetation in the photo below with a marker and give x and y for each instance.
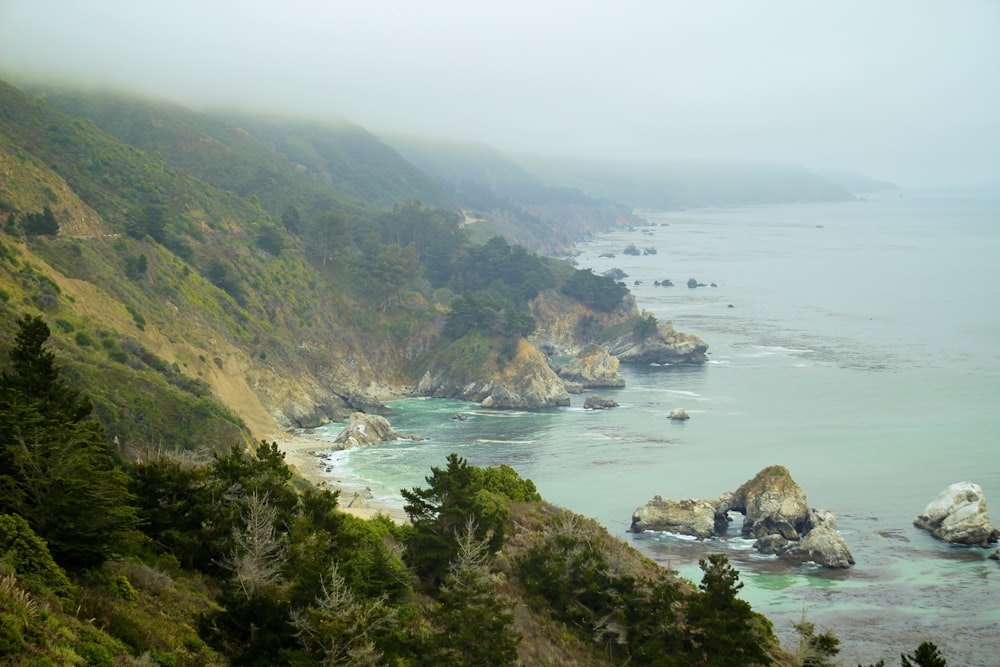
(232, 562)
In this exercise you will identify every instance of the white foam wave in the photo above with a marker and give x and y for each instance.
(492, 441)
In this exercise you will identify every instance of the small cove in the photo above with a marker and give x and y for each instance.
(860, 353)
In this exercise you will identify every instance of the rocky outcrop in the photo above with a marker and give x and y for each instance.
(363, 429)
(525, 382)
(775, 512)
(664, 346)
(679, 414)
(595, 402)
(367, 404)
(959, 515)
(822, 544)
(697, 518)
(771, 503)
(593, 367)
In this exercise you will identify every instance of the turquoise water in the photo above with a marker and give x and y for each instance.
(860, 351)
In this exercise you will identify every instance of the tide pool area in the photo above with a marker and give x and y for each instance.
(860, 352)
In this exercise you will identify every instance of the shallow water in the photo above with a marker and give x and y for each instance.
(860, 352)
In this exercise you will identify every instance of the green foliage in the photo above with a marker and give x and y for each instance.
(510, 271)
(815, 650)
(136, 267)
(645, 327)
(926, 655)
(388, 270)
(29, 558)
(140, 321)
(489, 313)
(40, 224)
(600, 293)
(725, 631)
(455, 495)
(270, 239)
(56, 469)
(472, 622)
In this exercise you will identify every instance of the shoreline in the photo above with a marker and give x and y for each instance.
(302, 455)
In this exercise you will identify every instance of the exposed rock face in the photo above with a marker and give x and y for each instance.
(526, 382)
(687, 517)
(595, 402)
(773, 504)
(679, 414)
(665, 346)
(959, 515)
(365, 429)
(368, 404)
(593, 367)
(775, 514)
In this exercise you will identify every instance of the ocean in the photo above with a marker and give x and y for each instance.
(855, 343)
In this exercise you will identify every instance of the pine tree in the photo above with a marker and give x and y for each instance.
(725, 630)
(926, 655)
(473, 622)
(56, 468)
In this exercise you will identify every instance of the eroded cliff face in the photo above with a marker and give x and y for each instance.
(564, 326)
(664, 346)
(525, 382)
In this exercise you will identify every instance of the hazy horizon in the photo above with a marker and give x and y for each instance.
(899, 91)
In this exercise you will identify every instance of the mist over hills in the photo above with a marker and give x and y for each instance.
(256, 238)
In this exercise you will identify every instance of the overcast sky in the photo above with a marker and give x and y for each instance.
(904, 90)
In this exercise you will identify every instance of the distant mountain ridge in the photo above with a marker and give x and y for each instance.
(666, 185)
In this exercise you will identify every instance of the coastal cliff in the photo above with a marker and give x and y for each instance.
(525, 381)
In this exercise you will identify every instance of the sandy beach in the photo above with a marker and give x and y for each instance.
(303, 454)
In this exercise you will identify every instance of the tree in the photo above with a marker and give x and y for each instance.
(292, 220)
(40, 224)
(389, 269)
(815, 650)
(258, 552)
(725, 630)
(926, 655)
(454, 495)
(270, 239)
(340, 628)
(56, 468)
(601, 293)
(473, 622)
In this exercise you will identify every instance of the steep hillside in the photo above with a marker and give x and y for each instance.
(312, 166)
(164, 265)
(150, 260)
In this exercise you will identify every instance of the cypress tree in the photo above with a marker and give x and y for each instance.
(56, 467)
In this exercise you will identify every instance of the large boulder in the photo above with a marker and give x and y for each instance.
(664, 346)
(685, 517)
(593, 367)
(595, 402)
(822, 544)
(363, 429)
(775, 512)
(959, 515)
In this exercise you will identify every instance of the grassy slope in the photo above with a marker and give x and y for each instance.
(291, 329)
